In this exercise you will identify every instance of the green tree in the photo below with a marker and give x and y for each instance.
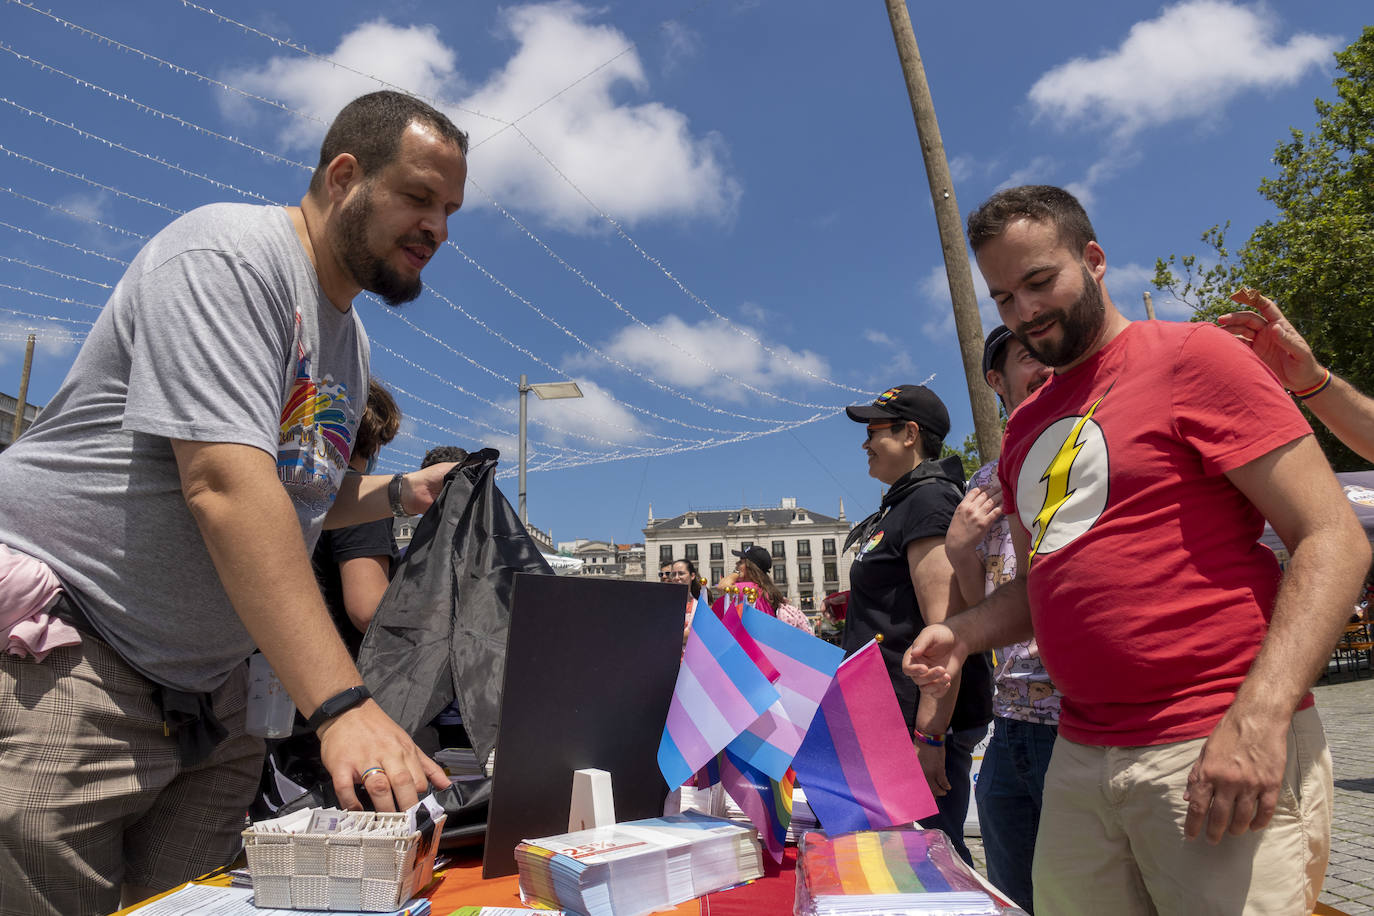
(967, 453)
(1316, 259)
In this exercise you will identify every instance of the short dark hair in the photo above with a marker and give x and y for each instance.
(442, 453)
(1039, 202)
(931, 444)
(370, 127)
(380, 423)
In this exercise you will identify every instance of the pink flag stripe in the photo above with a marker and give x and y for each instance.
(861, 678)
(723, 691)
(802, 678)
(696, 708)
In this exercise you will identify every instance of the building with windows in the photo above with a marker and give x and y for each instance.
(8, 405)
(805, 546)
(606, 558)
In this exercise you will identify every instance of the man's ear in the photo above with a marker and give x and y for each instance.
(342, 173)
(1095, 259)
(911, 433)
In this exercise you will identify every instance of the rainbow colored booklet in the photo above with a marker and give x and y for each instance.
(887, 873)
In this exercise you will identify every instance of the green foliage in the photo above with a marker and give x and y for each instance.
(968, 454)
(1316, 260)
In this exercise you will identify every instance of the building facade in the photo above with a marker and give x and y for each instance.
(805, 546)
(606, 559)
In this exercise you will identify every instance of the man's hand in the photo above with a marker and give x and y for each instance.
(1274, 339)
(419, 489)
(1234, 786)
(979, 510)
(933, 765)
(363, 746)
(934, 659)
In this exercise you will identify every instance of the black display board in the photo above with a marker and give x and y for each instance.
(590, 669)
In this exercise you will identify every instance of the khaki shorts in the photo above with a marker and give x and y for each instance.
(1111, 835)
(92, 792)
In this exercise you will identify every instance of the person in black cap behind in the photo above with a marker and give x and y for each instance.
(901, 580)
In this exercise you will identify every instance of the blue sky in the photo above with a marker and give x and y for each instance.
(713, 215)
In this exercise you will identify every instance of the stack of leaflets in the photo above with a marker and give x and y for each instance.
(639, 866)
(880, 872)
(803, 818)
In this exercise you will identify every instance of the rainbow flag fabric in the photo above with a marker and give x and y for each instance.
(766, 802)
(857, 762)
(907, 871)
(719, 693)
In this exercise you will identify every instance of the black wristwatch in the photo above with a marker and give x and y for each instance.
(338, 704)
(393, 492)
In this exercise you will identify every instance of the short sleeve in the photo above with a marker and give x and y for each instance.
(209, 347)
(928, 511)
(370, 539)
(1227, 404)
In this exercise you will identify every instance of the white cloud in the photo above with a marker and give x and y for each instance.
(636, 161)
(933, 291)
(679, 44)
(1186, 63)
(693, 356)
(55, 341)
(595, 414)
(1037, 171)
(410, 56)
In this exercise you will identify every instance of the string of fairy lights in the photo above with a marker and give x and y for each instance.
(62, 220)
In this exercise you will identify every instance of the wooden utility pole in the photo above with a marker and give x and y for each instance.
(987, 424)
(23, 391)
(1149, 306)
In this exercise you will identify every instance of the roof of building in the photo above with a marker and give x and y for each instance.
(722, 519)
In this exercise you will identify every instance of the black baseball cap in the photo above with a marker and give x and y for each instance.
(997, 339)
(906, 402)
(758, 556)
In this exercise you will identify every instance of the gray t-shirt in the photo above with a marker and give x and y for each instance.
(218, 332)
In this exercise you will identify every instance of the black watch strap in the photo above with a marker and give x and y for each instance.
(338, 704)
(393, 493)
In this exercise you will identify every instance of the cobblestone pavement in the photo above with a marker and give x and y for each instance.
(1347, 711)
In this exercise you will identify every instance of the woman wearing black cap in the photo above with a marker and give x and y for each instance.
(753, 570)
(901, 580)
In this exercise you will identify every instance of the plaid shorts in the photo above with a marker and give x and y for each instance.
(92, 791)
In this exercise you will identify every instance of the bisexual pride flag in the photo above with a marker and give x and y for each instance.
(857, 763)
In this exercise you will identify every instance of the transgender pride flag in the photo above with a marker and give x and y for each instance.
(720, 692)
(857, 764)
(805, 665)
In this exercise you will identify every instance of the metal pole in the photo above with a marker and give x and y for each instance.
(23, 391)
(524, 392)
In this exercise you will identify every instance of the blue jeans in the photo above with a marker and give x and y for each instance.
(953, 804)
(1010, 788)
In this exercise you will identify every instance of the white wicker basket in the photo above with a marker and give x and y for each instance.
(330, 871)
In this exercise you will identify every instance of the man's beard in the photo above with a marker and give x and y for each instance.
(1079, 326)
(369, 271)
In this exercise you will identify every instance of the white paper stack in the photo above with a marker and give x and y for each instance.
(639, 866)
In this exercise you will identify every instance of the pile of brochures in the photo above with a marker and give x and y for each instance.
(881, 872)
(639, 866)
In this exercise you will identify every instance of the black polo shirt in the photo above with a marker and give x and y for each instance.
(882, 601)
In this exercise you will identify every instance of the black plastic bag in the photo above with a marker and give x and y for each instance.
(441, 628)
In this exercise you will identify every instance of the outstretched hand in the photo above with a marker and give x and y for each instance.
(1274, 340)
(419, 489)
(934, 659)
(364, 747)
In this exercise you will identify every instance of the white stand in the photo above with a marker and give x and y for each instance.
(592, 802)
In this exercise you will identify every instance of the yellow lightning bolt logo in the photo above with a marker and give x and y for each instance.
(1056, 478)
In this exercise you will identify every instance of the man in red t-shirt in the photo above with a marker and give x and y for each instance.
(1137, 481)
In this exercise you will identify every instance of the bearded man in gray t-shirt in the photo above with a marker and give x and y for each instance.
(176, 484)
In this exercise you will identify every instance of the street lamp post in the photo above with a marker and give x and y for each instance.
(546, 391)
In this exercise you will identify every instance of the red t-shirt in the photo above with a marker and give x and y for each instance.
(1149, 591)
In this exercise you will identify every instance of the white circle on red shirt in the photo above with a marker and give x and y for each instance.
(1062, 488)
